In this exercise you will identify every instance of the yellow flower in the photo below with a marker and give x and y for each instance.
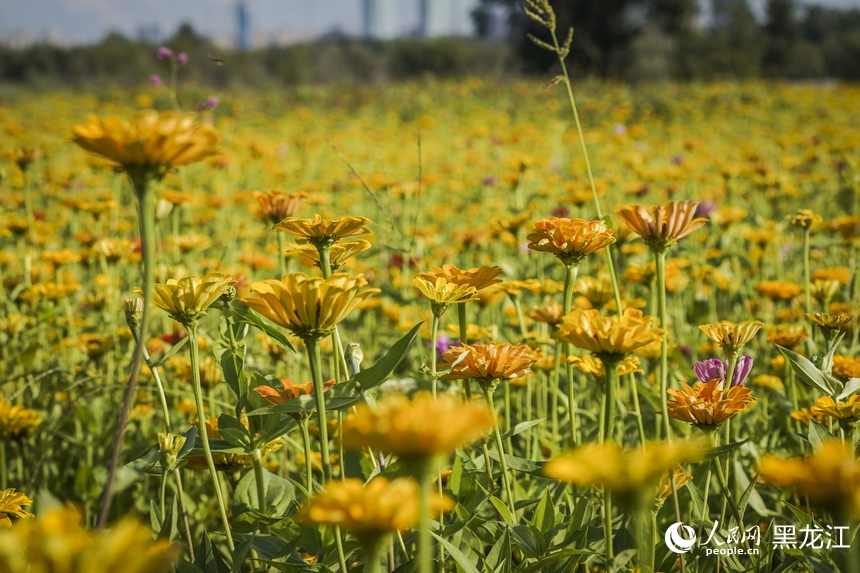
(626, 474)
(369, 511)
(598, 291)
(708, 405)
(309, 306)
(846, 367)
(768, 381)
(11, 503)
(150, 144)
(571, 240)
(551, 314)
(662, 225)
(846, 413)
(488, 361)
(56, 541)
(338, 254)
(664, 489)
(731, 337)
(442, 293)
(609, 337)
(289, 391)
(805, 219)
(593, 365)
(16, 420)
(275, 205)
(831, 325)
(187, 299)
(479, 278)
(323, 232)
(416, 430)
(779, 290)
(830, 477)
(788, 335)
(23, 157)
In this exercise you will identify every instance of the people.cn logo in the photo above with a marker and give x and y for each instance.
(677, 542)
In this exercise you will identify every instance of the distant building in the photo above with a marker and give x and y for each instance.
(243, 25)
(446, 17)
(381, 19)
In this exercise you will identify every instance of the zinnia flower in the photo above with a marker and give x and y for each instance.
(369, 511)
(708, 405)
(418, 429)
(151, 144)
(488, 361)
(323, 232)
(831, 325)
(731, 337)
(275, 205)
(290, 391)
(479, 277)
(11, 503)
(661, 226)
(442, 293)
(830, 477)
(609, 337)
(707, 370)
(187, 299)
(339, 253)
(571, 240)
(847, 413)
(17, 420)
(309, 307)
(593, 365)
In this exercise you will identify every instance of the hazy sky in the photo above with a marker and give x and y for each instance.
(77, 21)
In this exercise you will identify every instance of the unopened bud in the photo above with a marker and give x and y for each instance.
(170, 447)
(133, 312)
(354, 356)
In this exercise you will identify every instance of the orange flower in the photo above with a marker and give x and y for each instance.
(708, 405)
(571, 240)
(609, 337)
(779, 290)
(275, 205)
(289, 391)
(661, 226)
(731, 337)
(488, 361)
(846, 413)
(479, 278)
(323, 232)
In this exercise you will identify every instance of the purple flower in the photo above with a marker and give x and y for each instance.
(210, 103)
(707, 370)
(561, 211)
(182, 58)
(705, 208)
(619, 129)
(155, 80)
(443, 343)
(490, 180)
(676, 160)
(163, 53)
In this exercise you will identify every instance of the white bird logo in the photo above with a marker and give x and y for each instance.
(677, 542)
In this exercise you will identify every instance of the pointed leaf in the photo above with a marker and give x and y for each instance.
(809, 373)
(379, 372)
(459, 557)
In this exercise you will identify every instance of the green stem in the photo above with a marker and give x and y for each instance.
(611, 368)
(569, 285)
(497, 435)
(434, 332)
(306, 444)
(3, 468)
(372, 553)
(425, 557)
(312, 345)
(341, 556)
(180, 496)
(204, 437)
(257, 459)
(728, 494)
(634, 387)
(146, 216)
(162, 494)
(607, 527)
(162, 397)
(806, 277)
(664, 344)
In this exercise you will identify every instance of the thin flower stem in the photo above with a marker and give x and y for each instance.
(146, 217)
(425, 558)
(180, 496)
(635, 391)
(569, 285)
(204, 437)
(434, 333)
(727, 494)
(257, 459)
(3, 469)
(488, 392)
(664, 344)
(312, 345)
(611, 368)
(162, 397)
(607, 527)
(162, 494)
(341, 556)
(306, 444)
(806, 278)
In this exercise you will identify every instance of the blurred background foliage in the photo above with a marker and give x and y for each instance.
(629, 40)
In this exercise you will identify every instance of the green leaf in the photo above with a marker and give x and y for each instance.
(233, 432)
(521, 427)
(459, 557)
(852, 386)
(241, 554)
(724, 449)
(208, 559)
(245, 314)
(520, 464)
(526, 541)
(809, 373)
(379, 372)
(339, 397)
(231, 359)
(503, 510)
(169, 354)
(544, 515)
(818, 434)
(500, 552)
(279, 494)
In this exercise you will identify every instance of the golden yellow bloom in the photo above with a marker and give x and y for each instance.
(323, 232)
(708, 405)
(571, 240)
(275, 205)
(847, 413)
(309, 306)
(550, 314)
(369, 511)
(598, 291)
(150, 144)
(25, 156)
(788, 335)
(805, 219)
(338, 255)
(626, 474)
(662, 225)
(731, 337)
(664, 489)
(768, 381)
(804, 415)
(514, 288)
(608, 336)
(830, 477)
(16, 420)
(593, 365)
(842, 275)
(418, 429)
(187, 299)
(831, 325)
(442, 293)
(822, 290)
(779, 290)
(57, 542)
(479, 278)
(489, 361)
(11, 503)
(846, 367)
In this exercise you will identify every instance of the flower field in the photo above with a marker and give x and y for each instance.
(424, 331)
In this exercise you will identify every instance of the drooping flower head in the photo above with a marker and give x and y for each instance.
(149, 145)
(323, 233)
(831, 326)
(416, 430)
(708, 405)
(571, 240)
(188, 299)
(310, 307)
(275, 205)
(450, 285)
(661, 226)
(608, 337)
(732, 337)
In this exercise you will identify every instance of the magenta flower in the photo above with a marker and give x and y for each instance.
(707, 370)
(155, 80)
(210, 103)
(163, 53)
(182, 58)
